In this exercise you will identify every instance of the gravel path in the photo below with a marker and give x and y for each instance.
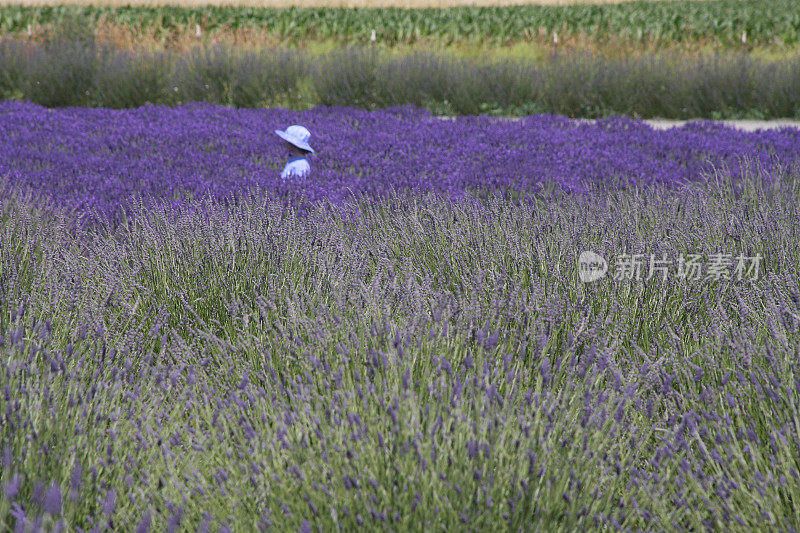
(744, 125)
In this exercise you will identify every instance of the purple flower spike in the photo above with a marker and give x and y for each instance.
(52, 500)
(11, 488)
(144, 524)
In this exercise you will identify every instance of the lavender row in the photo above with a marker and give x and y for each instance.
(73, 70)
(417, 363)
(98, 162)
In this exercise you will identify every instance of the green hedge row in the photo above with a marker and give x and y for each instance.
(81, 73)
(716, 20)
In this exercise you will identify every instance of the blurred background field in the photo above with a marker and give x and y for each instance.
(664, 85)
(721, 59)
(410, 4)
(630, 26)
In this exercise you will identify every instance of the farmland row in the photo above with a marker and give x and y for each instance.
(78, 73)
(719, 21)
(85, 158)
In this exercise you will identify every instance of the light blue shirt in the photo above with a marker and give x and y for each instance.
(297, 166)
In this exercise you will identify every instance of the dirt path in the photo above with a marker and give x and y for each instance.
(662, 124)
(745, 125)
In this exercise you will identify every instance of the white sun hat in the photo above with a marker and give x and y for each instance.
(298, 136)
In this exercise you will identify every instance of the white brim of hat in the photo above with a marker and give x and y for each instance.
(295, 141)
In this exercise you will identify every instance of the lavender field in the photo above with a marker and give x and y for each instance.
(401, 341)
(97, 161)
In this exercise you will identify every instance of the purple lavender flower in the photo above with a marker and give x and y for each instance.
(174, 521)
(52, 500)
(144, 524)
(11, 487)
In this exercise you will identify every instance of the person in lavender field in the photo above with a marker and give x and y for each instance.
(296, 138)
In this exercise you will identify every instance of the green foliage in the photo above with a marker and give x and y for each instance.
(72, 27)
(207, 75)
(12, 68)
(686, 20)
(350, 77)
(128, 79)
(579, 85)
(242, 79)
(62, 73)
(269, 79)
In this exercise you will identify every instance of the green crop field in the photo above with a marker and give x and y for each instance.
(315, 3)
(718, 21)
